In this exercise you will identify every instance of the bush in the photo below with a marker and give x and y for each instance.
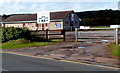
(11, 33)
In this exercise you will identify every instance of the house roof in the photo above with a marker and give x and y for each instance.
(33, 17)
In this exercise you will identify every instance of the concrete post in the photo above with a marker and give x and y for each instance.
(76, 35)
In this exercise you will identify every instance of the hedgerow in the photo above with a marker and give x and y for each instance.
(11, 33)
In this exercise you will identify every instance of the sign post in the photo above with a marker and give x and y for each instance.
(43, 17)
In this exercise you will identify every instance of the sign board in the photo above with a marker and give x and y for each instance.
(114, 26)
(43, 17)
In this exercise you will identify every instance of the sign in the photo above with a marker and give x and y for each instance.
(114, 26)
(43, 17)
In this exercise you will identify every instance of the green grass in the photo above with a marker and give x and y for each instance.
(22, 43)
(114, 49)
(100, 26)
(57, 40)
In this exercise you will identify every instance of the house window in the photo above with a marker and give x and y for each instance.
(66, 22)
(76, 22)
(58, 25)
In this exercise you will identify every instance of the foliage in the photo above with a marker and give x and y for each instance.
(11, 33)
(100, 18)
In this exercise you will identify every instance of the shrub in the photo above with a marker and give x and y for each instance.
(11, 33)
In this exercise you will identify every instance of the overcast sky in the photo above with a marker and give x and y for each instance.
(34, 6)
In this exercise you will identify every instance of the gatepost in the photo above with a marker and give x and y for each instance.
(116, 27)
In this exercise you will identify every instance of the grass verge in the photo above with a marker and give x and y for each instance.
(22, 43)
(100, 27)
(114, 49)
(57, 40)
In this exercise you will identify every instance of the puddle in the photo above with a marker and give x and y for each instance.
(104, 43)
(80, 47)
(72, 47)
(87, 42)
(105, 40)
(67, 47)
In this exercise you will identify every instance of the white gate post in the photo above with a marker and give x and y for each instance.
(76, 35)
(116, 39)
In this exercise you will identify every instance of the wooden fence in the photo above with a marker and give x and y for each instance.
(59, 34)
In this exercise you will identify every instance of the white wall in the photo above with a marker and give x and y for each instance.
(14, 25)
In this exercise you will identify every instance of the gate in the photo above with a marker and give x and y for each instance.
(97, 34)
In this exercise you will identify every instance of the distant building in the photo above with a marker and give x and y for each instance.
(58, 21)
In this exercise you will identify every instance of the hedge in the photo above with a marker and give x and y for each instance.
(11, 33)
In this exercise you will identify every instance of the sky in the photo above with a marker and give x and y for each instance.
(34, 6)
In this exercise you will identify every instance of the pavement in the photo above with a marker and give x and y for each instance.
(16, 62)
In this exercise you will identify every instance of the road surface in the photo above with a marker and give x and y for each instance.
(12, 62)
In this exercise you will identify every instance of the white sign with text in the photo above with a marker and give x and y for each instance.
(43, 17)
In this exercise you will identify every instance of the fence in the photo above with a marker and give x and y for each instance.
(50, 34)
(97, 34)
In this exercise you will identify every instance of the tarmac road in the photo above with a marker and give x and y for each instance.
(13, 62)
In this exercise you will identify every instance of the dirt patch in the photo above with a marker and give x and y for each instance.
(94, 53)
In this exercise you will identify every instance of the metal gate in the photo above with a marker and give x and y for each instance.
(96, 34)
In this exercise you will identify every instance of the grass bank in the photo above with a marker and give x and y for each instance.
(114, 49)
(22, 43)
